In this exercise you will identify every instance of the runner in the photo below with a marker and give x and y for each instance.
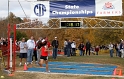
(44, 55)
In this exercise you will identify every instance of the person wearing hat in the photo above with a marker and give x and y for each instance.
(55, 45)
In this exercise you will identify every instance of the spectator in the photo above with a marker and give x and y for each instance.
(122, 48)
(97, 50)
(73, 46)
(1, 43)
(23, 51)
(88, 46)
(117, 48)
(119, 52)
(111, 46)
(31, 46)
(55, 45)
(81, 48)
(38, 46)
(4, 42)
(92, 50)
(69, 48)
(35, 54)
(65, 46)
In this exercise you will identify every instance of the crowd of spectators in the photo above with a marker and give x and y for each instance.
(70, 47)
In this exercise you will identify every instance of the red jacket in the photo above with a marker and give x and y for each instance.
(96, 49)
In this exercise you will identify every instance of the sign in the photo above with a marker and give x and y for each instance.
(108, 8)
(83, 8)
(70, 24)
(40, 9)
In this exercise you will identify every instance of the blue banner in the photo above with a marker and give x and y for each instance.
(80, 8)
(84, 8)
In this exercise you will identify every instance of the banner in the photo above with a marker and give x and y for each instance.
(83, 8)
(108, 8)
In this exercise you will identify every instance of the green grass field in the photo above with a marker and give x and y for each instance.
(100, 59)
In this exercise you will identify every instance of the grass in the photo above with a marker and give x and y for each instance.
(103, 58)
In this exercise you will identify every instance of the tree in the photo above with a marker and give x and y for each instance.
(19, 35)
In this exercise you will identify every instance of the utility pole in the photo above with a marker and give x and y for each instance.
(8, 11)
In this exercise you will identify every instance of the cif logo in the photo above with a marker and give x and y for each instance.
(39, 9)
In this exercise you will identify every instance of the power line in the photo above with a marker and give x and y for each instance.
(22, 8)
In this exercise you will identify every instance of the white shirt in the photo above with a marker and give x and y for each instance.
(65, 43)
(31, 44)
(73, 45)
(23, 48)
(111, 46)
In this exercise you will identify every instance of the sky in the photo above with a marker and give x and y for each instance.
(15, 8)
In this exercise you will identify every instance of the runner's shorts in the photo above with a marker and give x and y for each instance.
(44, 57)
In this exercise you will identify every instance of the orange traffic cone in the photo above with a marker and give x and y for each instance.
(120, 72)
(25, 67)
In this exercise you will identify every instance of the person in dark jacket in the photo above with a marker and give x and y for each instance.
(81, 47)
(65, 46)
(69, 48)
(122, 49)
(55, 45)
(88, 46)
